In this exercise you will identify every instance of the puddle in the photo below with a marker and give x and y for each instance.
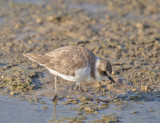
(18, 110)
(14, 110)
(102, 11)
(88, 7)
(41, 2)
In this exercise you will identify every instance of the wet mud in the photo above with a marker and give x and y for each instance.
(127, 33)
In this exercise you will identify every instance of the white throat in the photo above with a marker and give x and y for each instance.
(98, 76)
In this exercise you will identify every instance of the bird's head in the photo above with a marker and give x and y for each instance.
(105, 70)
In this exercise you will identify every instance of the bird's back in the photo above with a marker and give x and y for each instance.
(68, 59)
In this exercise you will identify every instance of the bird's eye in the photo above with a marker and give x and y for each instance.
(104, 72)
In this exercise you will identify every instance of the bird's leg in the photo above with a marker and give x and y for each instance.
(92, 95)
(55, 94)
(79, 85)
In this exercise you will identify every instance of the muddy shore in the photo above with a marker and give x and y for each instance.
(126, 33)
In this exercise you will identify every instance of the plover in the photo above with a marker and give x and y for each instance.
(76, 64)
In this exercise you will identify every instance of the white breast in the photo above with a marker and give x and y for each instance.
(82, 74)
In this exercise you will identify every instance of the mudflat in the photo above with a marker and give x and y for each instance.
(125, 32)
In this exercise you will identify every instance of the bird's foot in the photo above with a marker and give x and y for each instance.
(103, 101)
(80, 89)
(55, 98)
(93, 96)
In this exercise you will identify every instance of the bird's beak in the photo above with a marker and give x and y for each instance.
(110, 78)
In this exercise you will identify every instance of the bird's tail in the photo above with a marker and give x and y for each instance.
(40, 59)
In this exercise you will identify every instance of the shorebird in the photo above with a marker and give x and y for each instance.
(73, 63)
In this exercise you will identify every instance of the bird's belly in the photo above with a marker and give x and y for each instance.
(82, 74)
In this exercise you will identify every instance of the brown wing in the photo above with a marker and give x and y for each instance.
(68, 59)
(41, 59)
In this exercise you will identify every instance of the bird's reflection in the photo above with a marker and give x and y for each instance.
(54, 110)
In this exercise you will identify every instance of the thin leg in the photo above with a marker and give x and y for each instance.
(55, 85)
(90, 94)
(55, 93)
(79, 85)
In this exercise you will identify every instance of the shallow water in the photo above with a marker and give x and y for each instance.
(30, 1)
(17, 110)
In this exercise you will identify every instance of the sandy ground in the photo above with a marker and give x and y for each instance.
(127, 33)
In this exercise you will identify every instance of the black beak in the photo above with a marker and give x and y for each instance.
(110, 78)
